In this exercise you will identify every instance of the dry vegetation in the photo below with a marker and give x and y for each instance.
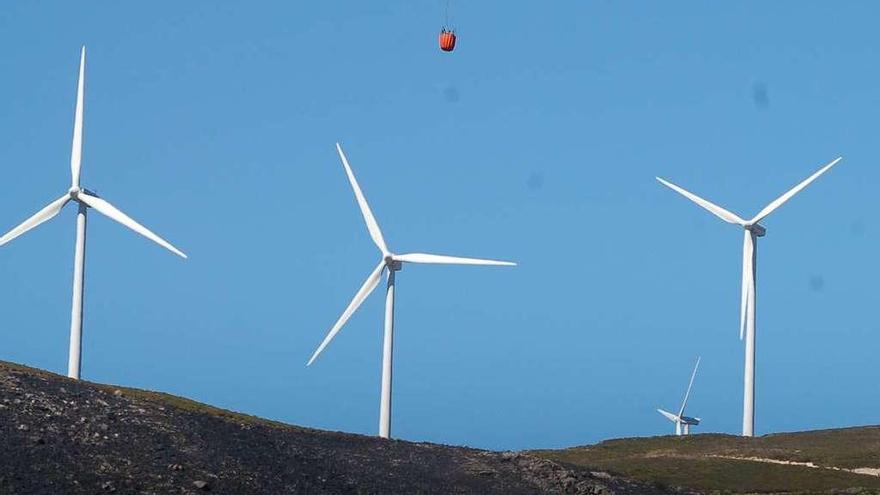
(732, 464)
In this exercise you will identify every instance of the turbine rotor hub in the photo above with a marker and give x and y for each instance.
(74, 192)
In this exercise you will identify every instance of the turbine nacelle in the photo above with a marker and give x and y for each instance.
(392, 263)
(75, 191)
(687, 420)
(756, 229)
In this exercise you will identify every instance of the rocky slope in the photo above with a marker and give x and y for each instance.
(58, 436)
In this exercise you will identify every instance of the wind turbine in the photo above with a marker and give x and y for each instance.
(751, 231)
(393, 263)
(85, 199)
(683, 423)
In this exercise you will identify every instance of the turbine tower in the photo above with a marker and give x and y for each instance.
(683, 423)
(751, 231)
(85, 199)
(393, 263)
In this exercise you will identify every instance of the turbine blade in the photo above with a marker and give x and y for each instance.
(372, 225)
(691, 384)
(669, 415)
(37, 218)
(369, 285)
(712, 207)
(448, 260)
(748, 250)
(776, 203)
(76, 148)
(111, 211)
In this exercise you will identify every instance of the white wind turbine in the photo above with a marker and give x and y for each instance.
(393, 263)
(85, 199)
(683, 423)
(752, 230)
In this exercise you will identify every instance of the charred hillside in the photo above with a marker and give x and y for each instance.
(62, 436)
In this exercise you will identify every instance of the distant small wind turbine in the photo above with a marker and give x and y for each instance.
(683, 423)
(752, 230)
(86, 199)
(393, 263)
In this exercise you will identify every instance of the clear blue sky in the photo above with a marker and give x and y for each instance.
(537, 140)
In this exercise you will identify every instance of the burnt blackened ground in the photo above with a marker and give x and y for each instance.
(59, 436)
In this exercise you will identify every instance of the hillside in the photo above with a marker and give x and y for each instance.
(63, 436)
(60, 436)
(826, 461)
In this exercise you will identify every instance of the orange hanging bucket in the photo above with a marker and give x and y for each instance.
(447, 40)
